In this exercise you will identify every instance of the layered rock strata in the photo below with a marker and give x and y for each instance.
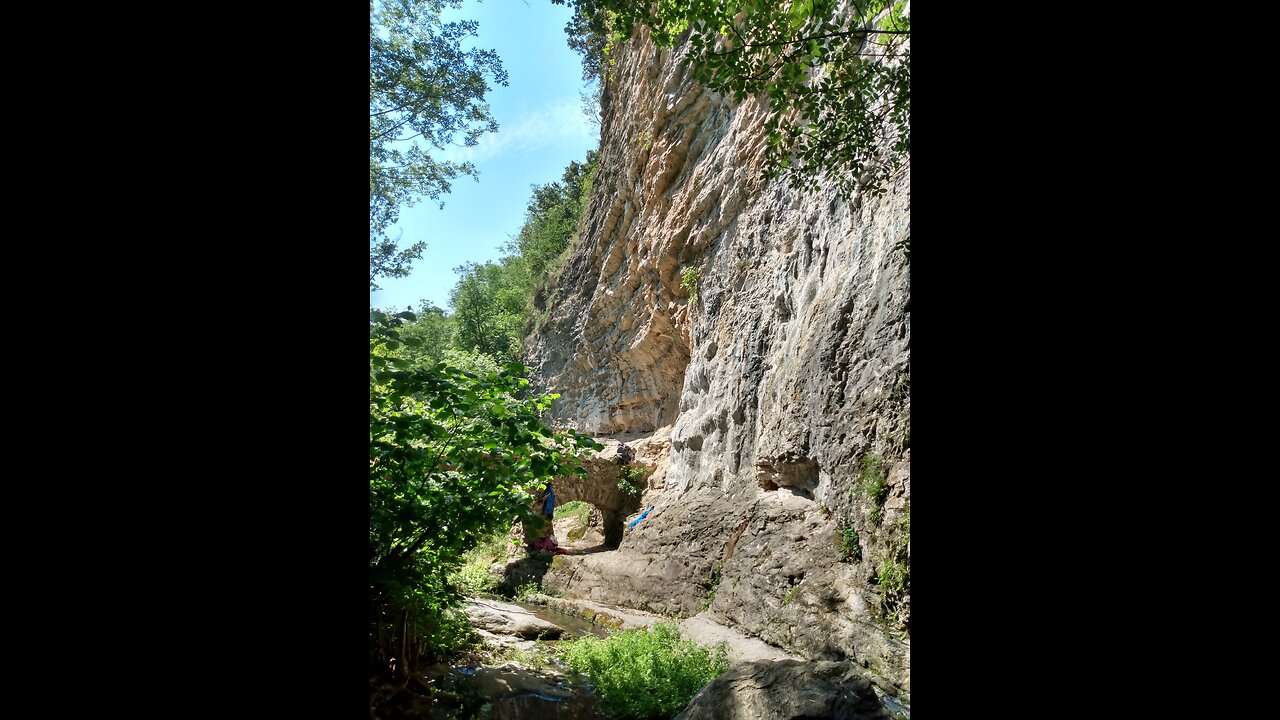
(756, 342)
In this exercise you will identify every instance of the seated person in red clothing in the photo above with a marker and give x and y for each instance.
(548, 542)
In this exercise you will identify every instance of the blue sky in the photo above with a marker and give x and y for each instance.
(541, 129)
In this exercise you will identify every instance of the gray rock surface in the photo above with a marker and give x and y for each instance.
(700, 629)
(506, 619)
(741, 648)
(785, 690)
(755, 405)
(514, 679)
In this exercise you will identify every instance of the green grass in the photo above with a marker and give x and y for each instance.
(646, 674)
(892, 575)
(711, 584)
(528, 589)
(576, 509)
(580, 513)
(893, 572)
(473, 577)
(871, 482)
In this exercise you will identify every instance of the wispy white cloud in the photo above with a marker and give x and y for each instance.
(559, 122)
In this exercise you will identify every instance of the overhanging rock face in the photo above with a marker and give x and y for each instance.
(771, 388)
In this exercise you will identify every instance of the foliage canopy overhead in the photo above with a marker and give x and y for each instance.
(837, 75)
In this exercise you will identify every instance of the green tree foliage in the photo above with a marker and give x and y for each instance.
(431, 334)
(551, 219)
(489, 308)
(425, 91)
(645, 674)
(453, 458)
(493, 301)
(838, 83)
(431, 338)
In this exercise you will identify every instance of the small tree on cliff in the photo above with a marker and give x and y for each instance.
(838, 83)
(453, 457)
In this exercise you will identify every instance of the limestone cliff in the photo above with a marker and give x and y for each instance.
(757, 400)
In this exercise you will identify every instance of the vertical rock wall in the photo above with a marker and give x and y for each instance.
(789, 368)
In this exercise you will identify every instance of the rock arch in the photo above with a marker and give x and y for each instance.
(600, 488)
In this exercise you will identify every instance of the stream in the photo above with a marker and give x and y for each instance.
(574, 627)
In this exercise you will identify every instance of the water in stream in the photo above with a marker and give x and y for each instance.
(574, 627)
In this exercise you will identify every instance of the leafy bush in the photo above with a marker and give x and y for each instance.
(646, 674)
(473, 578)
(849, 543)
(453, 460)
(632, 480)
(689, 283)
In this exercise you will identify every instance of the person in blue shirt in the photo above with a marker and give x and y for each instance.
(548, 498)
(546, 507)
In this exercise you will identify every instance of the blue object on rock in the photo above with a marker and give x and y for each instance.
(644, 515)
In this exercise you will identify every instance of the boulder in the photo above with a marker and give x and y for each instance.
(506, 619)
(787, 689)
(512, 679)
